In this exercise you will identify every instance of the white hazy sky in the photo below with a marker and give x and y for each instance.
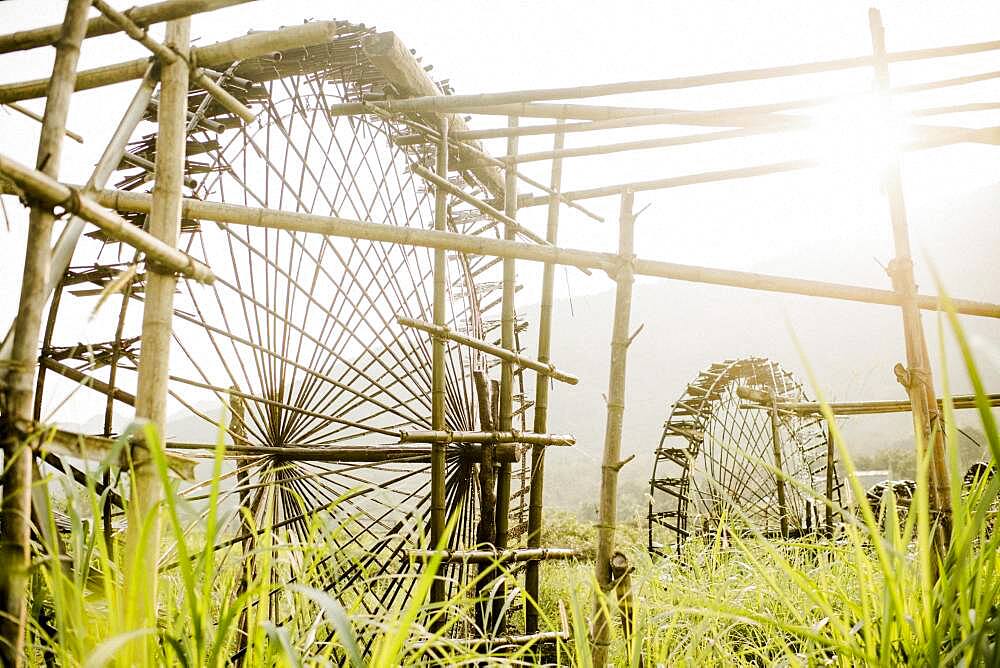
(495, 46)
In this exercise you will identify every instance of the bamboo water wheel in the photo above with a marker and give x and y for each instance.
(709, 467)
(296, 347)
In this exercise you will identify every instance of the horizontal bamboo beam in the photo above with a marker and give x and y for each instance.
(420, 453)
(959, 402)
(443, 332)
(460, 103)
(121, 200)
(143, 16)
(167, 55)
(497, 556)
(222, 53)
(52, 193)
(98, 448)
(87, 381)
(446, 436)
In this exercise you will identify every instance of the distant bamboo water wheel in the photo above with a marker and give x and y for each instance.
(709, 463)
(298, 338)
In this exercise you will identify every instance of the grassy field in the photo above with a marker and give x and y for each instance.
(876, 594)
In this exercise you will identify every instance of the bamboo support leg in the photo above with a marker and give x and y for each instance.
(143, 535)
(601, 630)
(438, 418)
(830, 463)
(779, 480)
(15, 512)
(531, 583)
(486, 531)
(918, 378)
(621, 571)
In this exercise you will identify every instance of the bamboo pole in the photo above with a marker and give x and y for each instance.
(419, 452)
(143, 534)
(779, 475)
(831, 462)
(621, 571)
(143, 16)
(167, 56)
(507, 315)
(51, 193)
(438, 379)
(222, 53)
(541, 417)
(62, 252)
(36, 117)
(928, 430)
(461, 103)
(492, 437)
(497, 556)
(15, 507)
(961, 401)
(542, 368)
(612, 462)
(126, 201)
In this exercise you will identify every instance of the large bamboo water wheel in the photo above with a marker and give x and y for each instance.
(709, 467)
(296, 347)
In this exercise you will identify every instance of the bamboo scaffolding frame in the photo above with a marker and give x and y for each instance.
(462, 103)
(497, 556)
(126, 201)
(492, 437)
(19, 462)
(51, 193)
(142, 537)
(222, 53)
(167, 56)
(611, 462)
(543, 369)
(143, 16)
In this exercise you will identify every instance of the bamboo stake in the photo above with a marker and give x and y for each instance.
(601, 630)
(62, 252)
(438, 416)
(830, 463)
(167, 56)
(143, 16)
(779, 479)
(51, 193)
(143, 535)
(920, 382)
(461, 103)
(535, 500)
(486, 530)
(621, 571)
(237, 427)
(241, 48)
(15, 507)
(127, 201)
(543, 368)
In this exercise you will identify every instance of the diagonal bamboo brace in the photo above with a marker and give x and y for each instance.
(52, 193)
(441, 331)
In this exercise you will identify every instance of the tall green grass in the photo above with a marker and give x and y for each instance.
(878, 594)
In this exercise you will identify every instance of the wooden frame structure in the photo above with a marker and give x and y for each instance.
(405, 97)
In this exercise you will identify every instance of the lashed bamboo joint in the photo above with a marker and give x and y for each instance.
(497, 556)
(51, 194)
(491, 437)
(441, 331)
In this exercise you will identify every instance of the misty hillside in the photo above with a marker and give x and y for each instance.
(850, 347)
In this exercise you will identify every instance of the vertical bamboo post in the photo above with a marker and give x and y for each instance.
(621, 571)
(238, 429)
(486, 531)
(611, 464)
(143, 535)
(507, 337)
(918, 377)
(531, 583)
(15, 512)
(779, 480)
(830, 462)
(438, 421)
